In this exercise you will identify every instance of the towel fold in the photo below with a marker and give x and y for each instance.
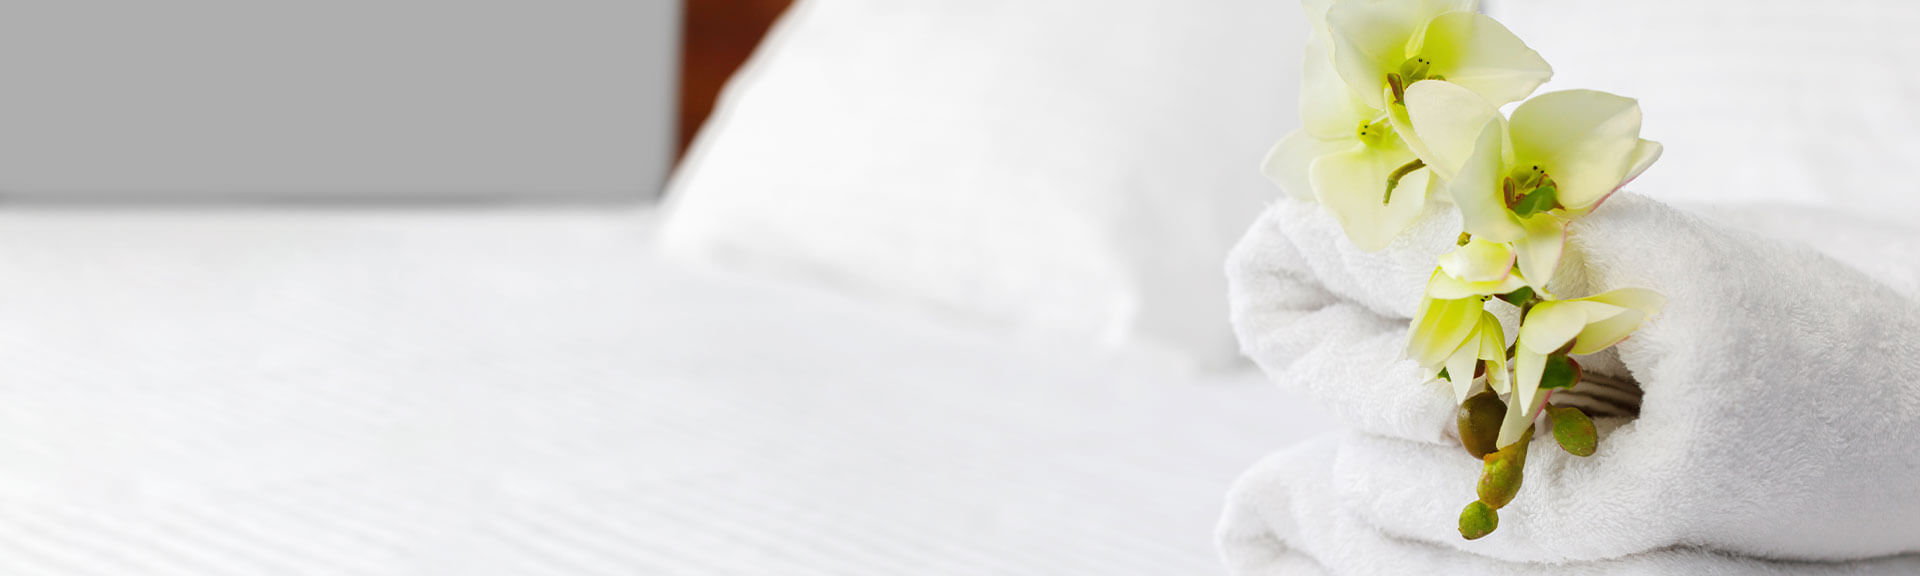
(1772, 411)
(1295, 514)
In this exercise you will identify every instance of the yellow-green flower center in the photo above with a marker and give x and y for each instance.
(1529, 190)
(1412, 70)
(1376, 133)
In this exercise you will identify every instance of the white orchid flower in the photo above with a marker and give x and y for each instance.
(1486, 343)
(1581, 325)
(1382, 46)
(1441, 330)
(1477, 268)
(1344, 156)
(1458, 335)
(1356, 148)
(1452, 329)
(1521, 181)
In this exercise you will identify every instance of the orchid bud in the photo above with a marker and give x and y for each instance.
(1478, 520)
(1479, 422)
(1500, 477)
(1573, 430)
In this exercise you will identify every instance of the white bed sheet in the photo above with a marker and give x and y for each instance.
(492, 391)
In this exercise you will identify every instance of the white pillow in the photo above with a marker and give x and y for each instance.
(1071, 168)
(1755, 100)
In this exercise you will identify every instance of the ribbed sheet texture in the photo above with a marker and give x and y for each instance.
(533, 392)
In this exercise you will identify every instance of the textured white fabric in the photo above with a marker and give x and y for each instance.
(1293, 515)
(1779, 406)
(482, 392)
(1755, 100)
(1068, 169)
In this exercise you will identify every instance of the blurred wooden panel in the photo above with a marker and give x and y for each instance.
(719, 35)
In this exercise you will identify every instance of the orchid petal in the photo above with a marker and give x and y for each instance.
(1496, 371)
(1476, 188)
(1370, 40)
(1460, 367)
(1317, 16)
(1352, 185)
(1521, 406)
(1539, 250)
(1641, 299)
(1493, 349)
(1448, 120)
(1528, 366)
(1479, 261)
(1440, 328)
(1635, 305)
(1550, 325)
(1643, 157)
(1584, 139)
(1288, 163)
(1328, 109)
(1493, 337)
(1476, 52)
(1403, 126)
(1444, 6)
(1448, 287)
(1592, 311)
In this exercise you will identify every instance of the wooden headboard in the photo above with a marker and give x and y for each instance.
(716, 37)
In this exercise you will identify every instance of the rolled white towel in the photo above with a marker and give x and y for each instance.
(1781, 408)
(1294, 514)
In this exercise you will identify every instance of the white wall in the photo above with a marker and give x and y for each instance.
(336, 98)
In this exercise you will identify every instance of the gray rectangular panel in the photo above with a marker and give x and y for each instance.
(401, 99)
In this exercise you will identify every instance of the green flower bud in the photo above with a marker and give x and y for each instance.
(1478, 520)
(1479, 420)
(1573, 430)
(1500, 477)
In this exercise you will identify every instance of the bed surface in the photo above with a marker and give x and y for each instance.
(494, 391)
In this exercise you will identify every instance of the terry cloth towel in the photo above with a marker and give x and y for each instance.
(1770, 414)
(1292, 515)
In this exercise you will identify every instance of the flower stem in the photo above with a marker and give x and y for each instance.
(1393, 180)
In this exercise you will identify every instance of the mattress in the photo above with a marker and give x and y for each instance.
(534, 391)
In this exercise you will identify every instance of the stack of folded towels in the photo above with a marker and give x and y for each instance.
(1766, 422)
